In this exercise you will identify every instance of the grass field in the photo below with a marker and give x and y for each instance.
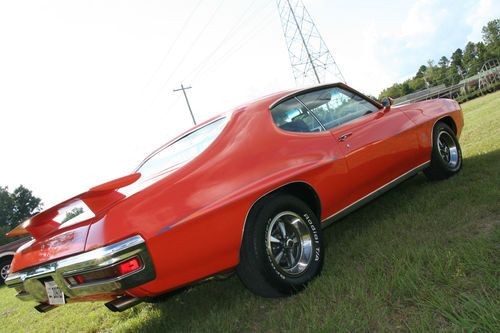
(424, 257)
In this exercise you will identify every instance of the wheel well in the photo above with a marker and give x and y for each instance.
(301, 190)
(7, 257)
(450, 122)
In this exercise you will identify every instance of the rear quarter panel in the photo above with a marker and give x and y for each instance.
(426, 114)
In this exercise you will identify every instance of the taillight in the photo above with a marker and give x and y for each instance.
(129, 266)
(115, 271)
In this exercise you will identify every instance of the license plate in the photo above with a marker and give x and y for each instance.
(55, 294)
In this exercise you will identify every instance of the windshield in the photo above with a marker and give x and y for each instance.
(183, 150)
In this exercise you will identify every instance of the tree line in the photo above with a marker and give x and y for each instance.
(449, 71)
(15, 207)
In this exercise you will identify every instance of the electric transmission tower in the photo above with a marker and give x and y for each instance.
(310, 58)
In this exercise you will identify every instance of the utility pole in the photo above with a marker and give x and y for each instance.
(187, 100)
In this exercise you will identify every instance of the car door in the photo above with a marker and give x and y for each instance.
(378, 145)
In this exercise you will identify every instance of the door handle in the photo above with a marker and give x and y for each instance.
(344, 137)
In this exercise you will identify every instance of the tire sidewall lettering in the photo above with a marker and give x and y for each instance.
(314, 231)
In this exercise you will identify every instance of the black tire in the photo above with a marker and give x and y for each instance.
(258, 269)
(4, 266)
(446, 158)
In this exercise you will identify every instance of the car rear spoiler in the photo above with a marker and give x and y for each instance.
(97, 199)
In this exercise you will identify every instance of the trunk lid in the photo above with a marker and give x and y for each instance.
(62, 230)
(36, 252)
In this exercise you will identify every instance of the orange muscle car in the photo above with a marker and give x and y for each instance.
(248, 191)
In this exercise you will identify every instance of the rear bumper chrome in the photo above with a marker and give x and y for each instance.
(30, 282)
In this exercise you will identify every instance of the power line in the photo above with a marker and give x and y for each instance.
(203, 30)
(237, 46)
(229, 35)
(262, 24)
(179, 34)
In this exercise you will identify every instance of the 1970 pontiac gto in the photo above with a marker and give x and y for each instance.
(247, 191)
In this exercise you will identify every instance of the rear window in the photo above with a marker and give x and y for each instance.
(183, 150)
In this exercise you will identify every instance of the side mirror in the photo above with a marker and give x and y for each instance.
(387, 102)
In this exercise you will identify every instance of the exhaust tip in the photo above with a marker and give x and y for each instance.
(44, 307)
(123, 303)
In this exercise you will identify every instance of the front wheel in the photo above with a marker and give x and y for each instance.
(282, 248)
(446, 158)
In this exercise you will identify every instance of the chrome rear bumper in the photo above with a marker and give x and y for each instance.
(30, 282)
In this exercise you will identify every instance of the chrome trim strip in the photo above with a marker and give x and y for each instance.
(372, 195)
(95, 256)
(30, 286)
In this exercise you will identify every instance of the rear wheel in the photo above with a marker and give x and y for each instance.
(446, 158)
(282, 248)
(4, 270)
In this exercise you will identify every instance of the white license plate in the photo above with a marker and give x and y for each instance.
(55, 294)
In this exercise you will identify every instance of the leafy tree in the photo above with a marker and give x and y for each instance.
(393, 91)
(443, 62)
(421, 72)
(72, 213)
(431, 75)
(5, 205)
(482, 54)
(442, 71)
(417, 84)
(470, 59)
(17, 206)
(456, 61)
(491, 37)
(456, 58)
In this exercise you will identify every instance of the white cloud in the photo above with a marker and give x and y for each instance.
(420, 22)
(485, 11)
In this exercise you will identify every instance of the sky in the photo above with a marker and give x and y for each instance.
(86, 87)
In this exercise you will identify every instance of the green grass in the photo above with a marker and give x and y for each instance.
(424, 257)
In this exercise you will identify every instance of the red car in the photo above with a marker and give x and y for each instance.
(7, 252)
(248, 191)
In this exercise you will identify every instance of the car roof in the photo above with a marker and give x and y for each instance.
(272, 100)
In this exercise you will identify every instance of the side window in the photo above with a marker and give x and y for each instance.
(184, 149)
(336, 106)
(292, 116)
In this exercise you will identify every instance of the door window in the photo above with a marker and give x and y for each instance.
(336, 106)
(293, 116)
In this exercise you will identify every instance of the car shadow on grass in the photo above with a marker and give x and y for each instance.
(417, 211)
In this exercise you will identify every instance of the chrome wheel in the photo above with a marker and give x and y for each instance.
(4, 272)
(289, 243)
(448, 149)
